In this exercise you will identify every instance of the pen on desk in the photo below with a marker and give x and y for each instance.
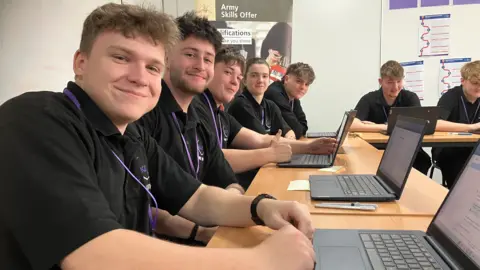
(460, 133)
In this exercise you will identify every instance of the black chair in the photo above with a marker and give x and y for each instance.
(435, 166)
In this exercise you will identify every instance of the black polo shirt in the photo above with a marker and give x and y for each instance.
(292, 110)
(62, 184)
(211, 165)
(457, 108)
(219, 122)
(264, 118)
(373, 107)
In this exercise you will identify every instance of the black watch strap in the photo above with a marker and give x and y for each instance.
(253, 208)
(193, 234)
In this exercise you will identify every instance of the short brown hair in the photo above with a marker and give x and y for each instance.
(392, 69)
(230, 55)
(191, 24)
(256, 60)
(471, 71)
(302, 71)
(130, 20)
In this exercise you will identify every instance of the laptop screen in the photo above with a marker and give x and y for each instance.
(398, 156)
(342, 127)
(459, 217)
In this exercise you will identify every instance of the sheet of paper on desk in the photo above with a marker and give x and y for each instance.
(299, 185)
(331, 169)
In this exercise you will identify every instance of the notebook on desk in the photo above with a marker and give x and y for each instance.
(452, 240)
(392, 174)
(329, 134)
(321, 161)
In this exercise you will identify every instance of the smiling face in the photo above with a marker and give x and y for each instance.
(225, 82)
(191, 65)
(391, 87)
(295, 86)
(257, 79)
(122, 75)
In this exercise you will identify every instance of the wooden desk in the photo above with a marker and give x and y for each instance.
(439, 139)
(421, 197)
(249, 237)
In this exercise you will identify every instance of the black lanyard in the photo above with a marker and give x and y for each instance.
(466, 113)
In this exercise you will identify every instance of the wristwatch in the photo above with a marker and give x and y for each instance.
(253, 208)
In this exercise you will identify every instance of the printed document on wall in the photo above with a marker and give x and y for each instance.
(450, 73)
(434, 35)
(414, 77)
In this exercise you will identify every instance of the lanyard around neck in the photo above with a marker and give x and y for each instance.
(466, 113)
(218, 130)
(153, 219)
(189, 156)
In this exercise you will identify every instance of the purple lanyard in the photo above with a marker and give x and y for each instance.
(153, 221)
(386, 115)
(291, 104)
(466, 113)
(263, 116)
(219, 132)
(194, 171)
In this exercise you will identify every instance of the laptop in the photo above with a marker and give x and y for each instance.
(392, 173)
(452, 240)
(328, 134)
(431, 114)
(321, 161)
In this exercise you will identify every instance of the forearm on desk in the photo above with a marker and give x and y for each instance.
(245, 160)
(358, 126)
(211, 206)
(443, 125)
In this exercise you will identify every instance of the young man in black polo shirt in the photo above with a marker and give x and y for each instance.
(243, 148)
(461, 106)
(374, 107)
(81, 184)
(175, 124)
(287, 94)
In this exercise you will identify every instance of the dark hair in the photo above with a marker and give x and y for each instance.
(190, 24)
(130, 20)
(230, 55)
(255, 60)
(279, 39)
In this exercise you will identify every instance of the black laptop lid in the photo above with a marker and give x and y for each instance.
(429, 113)
(343, 131)
(401, 151)
(456, 226)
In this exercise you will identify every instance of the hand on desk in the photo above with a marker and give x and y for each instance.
(282, 152)
(286, 249)
(322, 146)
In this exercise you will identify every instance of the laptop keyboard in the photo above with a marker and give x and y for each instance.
(315, 159)
(397, 251)
(354, 185)
(323, 134)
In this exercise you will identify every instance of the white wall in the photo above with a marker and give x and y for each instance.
(341, 40)
(400, 35)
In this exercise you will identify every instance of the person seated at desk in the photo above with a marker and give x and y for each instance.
(81, 183)
(287, 94)
(373, 108)
(244, 148)
(461, 114)
(176, 126)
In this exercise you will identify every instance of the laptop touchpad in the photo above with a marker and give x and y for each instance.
(339, 258)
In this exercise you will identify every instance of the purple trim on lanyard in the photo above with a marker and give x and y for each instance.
(466, 113)
(217, 131)
(291, 104)
(263, 117)
(194, 171)
(153, 221)
(386, 115)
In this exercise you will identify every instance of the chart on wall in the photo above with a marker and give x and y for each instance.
(258, 28)
(414, 77)
(434, 35)
(450, 73)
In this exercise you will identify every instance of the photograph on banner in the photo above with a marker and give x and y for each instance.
(414, 77)
(450, 73)
(258, 28)
(434, 35)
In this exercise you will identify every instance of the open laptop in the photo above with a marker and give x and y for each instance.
(321, 161)
(328, 134)
(392, 173)
(452, 240)
(431, 114)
